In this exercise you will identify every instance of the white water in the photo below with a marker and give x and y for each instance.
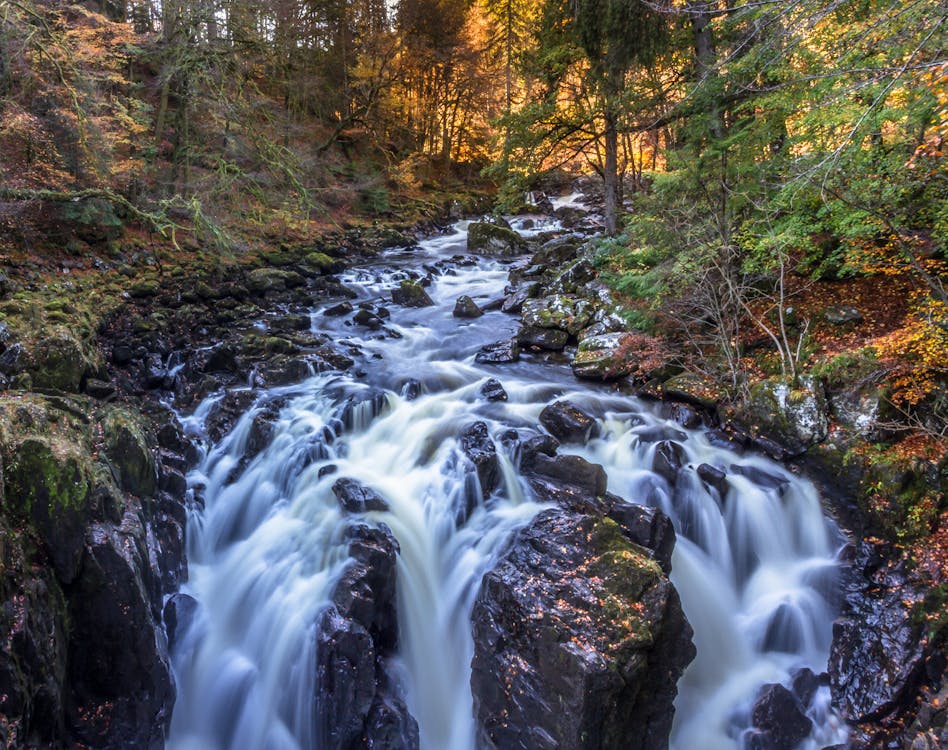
(269, 543)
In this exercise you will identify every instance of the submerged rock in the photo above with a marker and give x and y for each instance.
(579, 640)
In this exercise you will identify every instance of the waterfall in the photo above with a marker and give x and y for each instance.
(754, 565)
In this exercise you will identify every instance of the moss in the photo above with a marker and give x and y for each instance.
(46, 473)
(127, 450)
(319, 262)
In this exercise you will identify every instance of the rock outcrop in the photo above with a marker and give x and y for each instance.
(579, 640)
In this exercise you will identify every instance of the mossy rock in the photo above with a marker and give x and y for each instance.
(486, 238)
(321, 262)
(693, 389)
(60, 360)
(567, 313)
(48, 481)
(794, 413)
(143, 289)
(127, 450)
(264, 280)
(411, 294)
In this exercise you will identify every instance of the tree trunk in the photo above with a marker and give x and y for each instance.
(705, 59)
(611, 173)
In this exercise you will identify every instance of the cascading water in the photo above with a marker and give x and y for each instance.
(754, 563)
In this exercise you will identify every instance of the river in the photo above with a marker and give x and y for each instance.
(755, 565)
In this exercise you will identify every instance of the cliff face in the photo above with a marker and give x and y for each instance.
(92, 540)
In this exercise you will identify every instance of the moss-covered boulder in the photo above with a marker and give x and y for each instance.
(47, 481)
(320, 263)
(262, 281)
(126, 448)
(605, 357)
(486, 238)
(565, 312)
(411, 294)
(60, 360)
(795, 414)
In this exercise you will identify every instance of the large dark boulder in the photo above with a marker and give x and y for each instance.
(881, 652)
(465, 307)
(358, 705)
(779, 720)
(121, 688)
(579, 640)
(543, 338)
(568, 423)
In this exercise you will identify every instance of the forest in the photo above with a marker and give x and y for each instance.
(770, 193)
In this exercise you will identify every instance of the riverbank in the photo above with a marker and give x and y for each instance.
(110, 378)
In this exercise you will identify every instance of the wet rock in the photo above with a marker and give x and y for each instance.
(411, 390)
(578, 641)
(498, 353)
(465, 307)
(880, 653)
(283, 370)
(551, 339)
(367, 319)
(779, 719)
(10, 360)
(338, 310)
(570, 314)
(479, 448)
(714, 478)
(154, 372)
(355, 497)
(668, 459)
(839, 315)
(806, 683)
(657, 433)
(684, 414)
(493, 390)
(122, 695)
(647, 527)
(178, 614)
(411, 294)
(570, 481)
(513, 301)
(127, 450)
(261, 431)
(49, 483)
(767, 480)
(568, 423)
(860, 408)
(486, 238)
(291, 323)
(358, 705)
